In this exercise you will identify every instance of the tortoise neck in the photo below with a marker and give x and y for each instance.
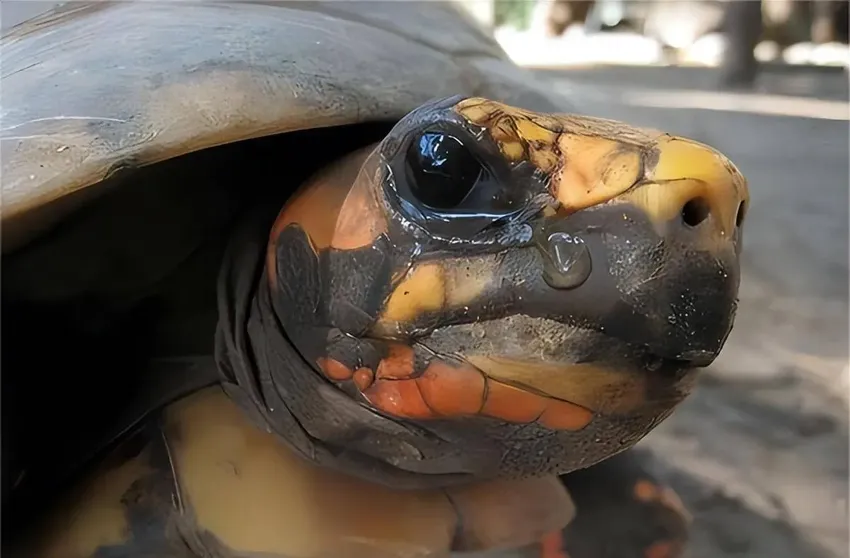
(266, 376)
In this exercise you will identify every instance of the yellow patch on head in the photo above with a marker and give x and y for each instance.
(688, 170)
(468, 279)
(513, 150)
(516, 134)
(421, 291)
(596, 170)
(590, 160)
(533, 132)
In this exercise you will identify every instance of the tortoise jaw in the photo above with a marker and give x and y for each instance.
(606, 389)
(693, 360)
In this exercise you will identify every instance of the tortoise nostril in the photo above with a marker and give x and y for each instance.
(742, 212)
(695, 212)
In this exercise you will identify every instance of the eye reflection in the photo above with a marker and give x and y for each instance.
(442, 170)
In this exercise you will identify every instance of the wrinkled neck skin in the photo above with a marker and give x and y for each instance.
(276, 388)
(270, 381)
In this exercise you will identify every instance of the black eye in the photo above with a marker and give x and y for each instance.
(441, 169)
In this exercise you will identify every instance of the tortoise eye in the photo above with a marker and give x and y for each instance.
(442, 170)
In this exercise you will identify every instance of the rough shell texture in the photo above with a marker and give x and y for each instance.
(97, 88)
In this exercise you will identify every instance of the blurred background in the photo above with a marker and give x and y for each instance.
(726, 33)
(759, 453)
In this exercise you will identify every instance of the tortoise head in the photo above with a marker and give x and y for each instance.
(538, 289)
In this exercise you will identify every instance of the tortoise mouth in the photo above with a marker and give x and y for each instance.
(426, 380)
(605, 388)
(453, 388)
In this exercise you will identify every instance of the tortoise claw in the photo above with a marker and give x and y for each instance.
(552, 546)
(622, 511)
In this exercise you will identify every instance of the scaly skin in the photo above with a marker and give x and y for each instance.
(459, 321)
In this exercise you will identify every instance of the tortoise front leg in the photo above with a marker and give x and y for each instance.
(125, 508)
(622, 511)
(202, 481)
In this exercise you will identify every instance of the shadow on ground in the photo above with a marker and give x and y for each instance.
(760, 467)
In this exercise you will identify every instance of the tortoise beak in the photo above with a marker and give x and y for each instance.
(646, 247)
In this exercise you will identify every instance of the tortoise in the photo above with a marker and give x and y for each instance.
(309, 281)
